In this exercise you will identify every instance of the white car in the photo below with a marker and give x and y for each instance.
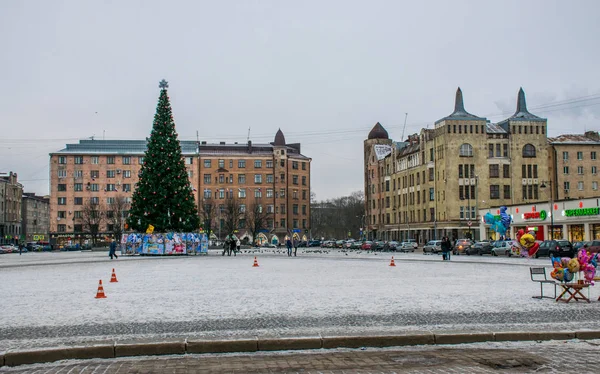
(9, 248)
(502, 248)
(408, 246)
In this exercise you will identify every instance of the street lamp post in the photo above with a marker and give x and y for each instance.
(543, 185)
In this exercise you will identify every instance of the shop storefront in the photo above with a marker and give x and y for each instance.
(576, 233)
(573, 220)
(595, 231)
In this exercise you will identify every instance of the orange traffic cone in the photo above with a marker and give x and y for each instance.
(113, 277)
(392, 263)
(100, 294)
(255, 263)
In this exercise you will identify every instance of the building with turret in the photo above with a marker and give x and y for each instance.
(433, 183)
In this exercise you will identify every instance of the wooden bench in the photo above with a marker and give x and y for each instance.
(539, 275)
(572, 291)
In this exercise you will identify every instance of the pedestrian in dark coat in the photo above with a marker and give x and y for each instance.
(295, 246)
(288, 244)
(113, 249)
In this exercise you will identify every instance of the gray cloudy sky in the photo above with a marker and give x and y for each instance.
(323, 71)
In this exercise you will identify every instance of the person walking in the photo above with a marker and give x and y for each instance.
(288, 244)
(20, 249)
(112, 251)
(238, 245)
(446, 248)
(295, 246)
(232, 245)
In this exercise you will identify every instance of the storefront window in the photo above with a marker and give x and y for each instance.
(576, 233)
(595, 231)
(557, 232)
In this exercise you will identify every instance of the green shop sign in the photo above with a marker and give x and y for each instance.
(582, 212)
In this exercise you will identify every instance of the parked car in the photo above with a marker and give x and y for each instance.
(593, 246)
(9, 248)
(502, 248)
(348, 243)
(578, 245)
(314, 243)
(367, 245)
(556, 248)
(408, 246)
(356, 245)
(391, 246)
(461, 246)
(378, 245)
(339, 244)
(433, 246)
(479, 248)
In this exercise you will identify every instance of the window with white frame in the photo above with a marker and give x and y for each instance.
(269, 178)
(258, 192)
(466, 150)
(95, 160)
(126, 173)
(580, 186)
(594, 170)
(207, 194)
(126, 160)
(62, 173)
(221, 193)
(110, 200)
(62, 160)
(242, 193)
(242, 208)
(580, 155)
(258, 178)
(269, 192)
(594, 185)
(269, 164)
(241, 164)
(580, 170)
(78, 160)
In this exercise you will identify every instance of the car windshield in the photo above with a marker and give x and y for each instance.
(563, 243)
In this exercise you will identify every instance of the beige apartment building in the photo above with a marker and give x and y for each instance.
(434, 183)
(274, 175)
(35, 214)
(11, 192)
(574, 165)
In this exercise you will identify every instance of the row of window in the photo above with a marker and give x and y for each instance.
(93, 200)
(95, 187)
(127, 160)
(110, 160)
(466, 150)
(258, 179)
(109, 173)
(593, 155)
(223, 193)
(580, 186)
(257, 164)
(580, 170)
(404, 217)
(520, 129)
(79, 214)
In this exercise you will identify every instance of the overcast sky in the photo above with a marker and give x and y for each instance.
(323, 71)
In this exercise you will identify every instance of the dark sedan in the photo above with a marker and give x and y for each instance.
(556, 248)
(479, 248)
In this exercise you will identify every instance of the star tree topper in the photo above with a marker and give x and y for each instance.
(163, 84)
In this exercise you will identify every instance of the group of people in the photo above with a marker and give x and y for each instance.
(289, 243)
(232, 244)
(446, 248)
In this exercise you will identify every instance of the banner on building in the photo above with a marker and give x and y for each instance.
(382, 150)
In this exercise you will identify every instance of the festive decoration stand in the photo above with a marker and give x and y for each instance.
(164, 244)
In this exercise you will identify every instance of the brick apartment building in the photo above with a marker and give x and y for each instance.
(274, 175)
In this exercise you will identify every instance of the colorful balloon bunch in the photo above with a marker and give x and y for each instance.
(529, 246)
(495, 224)
(565, 268)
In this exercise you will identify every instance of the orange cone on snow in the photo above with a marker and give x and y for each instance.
(113, 277)
(100, 294)
(392, 263)
(255, 263)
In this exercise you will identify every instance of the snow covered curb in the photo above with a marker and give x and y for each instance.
(185, 346)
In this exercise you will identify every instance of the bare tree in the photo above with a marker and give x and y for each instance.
(207, 209)
(337, 217)
(256, 219)
(231, 214)
(116, 214)
(92, 217)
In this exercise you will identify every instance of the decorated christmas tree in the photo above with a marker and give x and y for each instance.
(163, 196)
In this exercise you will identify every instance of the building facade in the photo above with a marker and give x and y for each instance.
(435, 182)
(574, 165)
(11, 192)
(35, 213)
(275, 176)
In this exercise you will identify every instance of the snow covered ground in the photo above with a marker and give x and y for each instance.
(48, 298)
